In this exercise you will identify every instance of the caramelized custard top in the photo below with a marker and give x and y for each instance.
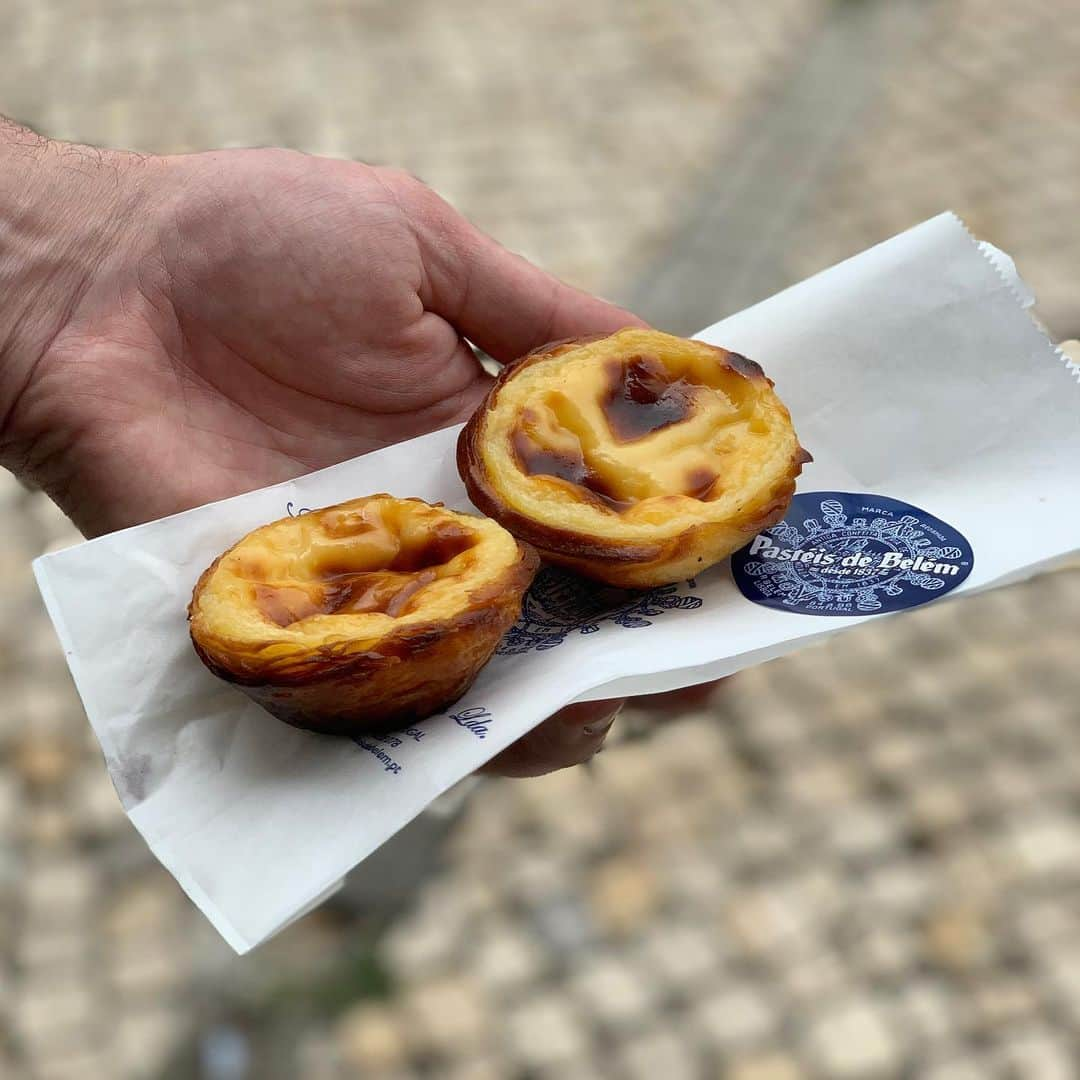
(565, 463)
(641, 398)
(637, 427)
(372, 558)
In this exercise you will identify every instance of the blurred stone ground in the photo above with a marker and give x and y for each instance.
(859, 862)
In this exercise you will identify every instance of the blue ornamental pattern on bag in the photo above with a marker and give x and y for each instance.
(839, 553)
(560, 604)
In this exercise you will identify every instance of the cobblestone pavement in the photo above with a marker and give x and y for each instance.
(981, 116)
(859, 862)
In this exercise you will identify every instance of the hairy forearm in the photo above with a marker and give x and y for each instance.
(62, 208)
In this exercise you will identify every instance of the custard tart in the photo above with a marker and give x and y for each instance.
(362, 616)
(637, 459)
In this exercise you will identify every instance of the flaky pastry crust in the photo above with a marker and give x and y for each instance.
(361, 616)
(637, 459)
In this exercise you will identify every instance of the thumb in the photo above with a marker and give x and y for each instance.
(496, 299)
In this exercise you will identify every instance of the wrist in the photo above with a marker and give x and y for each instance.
(64, 222)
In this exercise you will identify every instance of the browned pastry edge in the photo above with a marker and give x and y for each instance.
(410, 673)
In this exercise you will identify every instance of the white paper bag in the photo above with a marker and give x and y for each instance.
(945, 430)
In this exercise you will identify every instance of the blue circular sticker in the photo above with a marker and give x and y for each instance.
(839, 553)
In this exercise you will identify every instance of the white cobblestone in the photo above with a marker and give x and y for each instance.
(145, 1035)
(55, 1014)
(505, 958)
(852, 1039)
(545, 1033)
(614, 991)
(60, 888)
(657, 1054)
(1046, 842)
(448, 1015)
(728, 1018)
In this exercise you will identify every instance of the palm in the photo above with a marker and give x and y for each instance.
(275, 325)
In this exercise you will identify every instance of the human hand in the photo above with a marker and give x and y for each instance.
(187, 328)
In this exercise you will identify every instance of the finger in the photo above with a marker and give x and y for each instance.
(569, 737)
(495, 298)
(688, 697)
(454, 389)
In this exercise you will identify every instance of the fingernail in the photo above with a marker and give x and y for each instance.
(602, 727)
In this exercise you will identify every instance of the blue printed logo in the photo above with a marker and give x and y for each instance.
(560, 604)
(838, 553)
